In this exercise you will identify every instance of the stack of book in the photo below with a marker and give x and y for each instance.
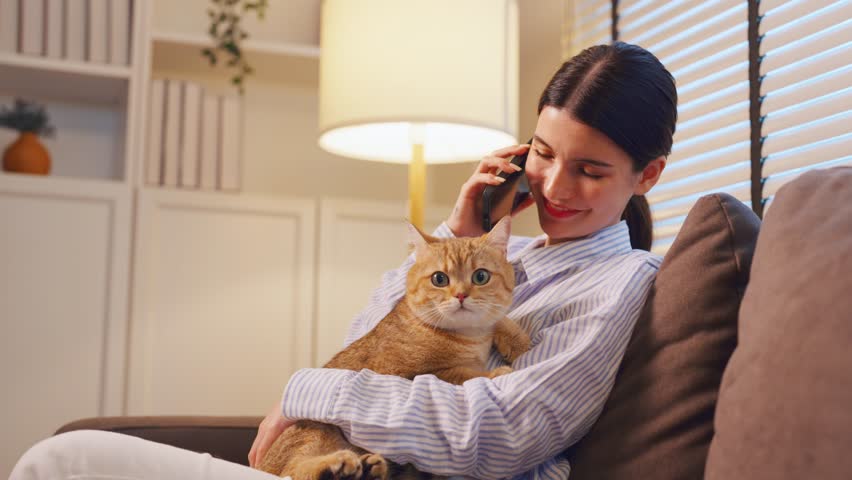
(95, 31)
(194, 137)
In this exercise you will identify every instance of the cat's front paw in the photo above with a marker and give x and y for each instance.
(518, 345)
(374, 467)
(511, 341)
(500, 371)
(340, 465)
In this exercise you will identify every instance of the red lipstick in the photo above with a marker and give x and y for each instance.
(557, 212)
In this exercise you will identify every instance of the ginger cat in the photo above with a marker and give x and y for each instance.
(457, 294)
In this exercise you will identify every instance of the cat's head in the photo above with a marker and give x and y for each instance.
(461, 284)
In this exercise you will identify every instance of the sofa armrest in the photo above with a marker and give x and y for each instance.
(228, 438)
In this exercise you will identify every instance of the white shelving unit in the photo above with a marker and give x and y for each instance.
(86, 251)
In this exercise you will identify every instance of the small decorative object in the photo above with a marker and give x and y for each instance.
(26, 154)
(228, 34)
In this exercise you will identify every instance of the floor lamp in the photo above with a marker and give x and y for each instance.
(417, 82)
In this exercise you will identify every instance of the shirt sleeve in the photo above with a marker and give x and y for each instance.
(486, 428)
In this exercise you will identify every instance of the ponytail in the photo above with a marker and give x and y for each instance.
(639, 222)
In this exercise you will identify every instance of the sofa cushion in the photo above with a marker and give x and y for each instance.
(785, 408)
(658, 420)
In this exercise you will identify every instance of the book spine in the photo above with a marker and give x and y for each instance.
(172, 133)
(55, 31)
(119, 32)
(31, 34)
(154, 154)
(98, 36)
(9, 26)
(76, 18)
(231, 144)
(190, 135)
(210, 142)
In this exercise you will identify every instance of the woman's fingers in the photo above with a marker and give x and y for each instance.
(263, 446)
(465, 219)
(272, 434)
(511, 150)
(262, 432)
(496, 164)
(477, 183)
(253, 452)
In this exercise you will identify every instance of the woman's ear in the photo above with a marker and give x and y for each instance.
(650, 175)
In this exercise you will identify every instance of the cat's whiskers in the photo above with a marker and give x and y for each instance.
(430, 316)
(492, 308)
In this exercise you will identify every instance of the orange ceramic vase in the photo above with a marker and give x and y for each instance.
(27, 155)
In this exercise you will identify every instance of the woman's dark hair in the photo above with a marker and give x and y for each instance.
(623, 91)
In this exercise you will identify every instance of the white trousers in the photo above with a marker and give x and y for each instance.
(101, 455)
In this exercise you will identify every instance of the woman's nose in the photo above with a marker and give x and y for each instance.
(558, 185)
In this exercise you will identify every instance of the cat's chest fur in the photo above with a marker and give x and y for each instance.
(404, 346)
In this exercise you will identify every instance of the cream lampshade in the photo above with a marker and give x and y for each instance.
(418, 81)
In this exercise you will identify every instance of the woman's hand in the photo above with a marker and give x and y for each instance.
(466, 219)
(270, 428)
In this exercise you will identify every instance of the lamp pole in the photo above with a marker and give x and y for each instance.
(416, 185)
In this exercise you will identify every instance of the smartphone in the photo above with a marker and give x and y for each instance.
(501, 200)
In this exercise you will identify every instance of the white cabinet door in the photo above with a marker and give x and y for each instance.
(64, 259)
(222, 302)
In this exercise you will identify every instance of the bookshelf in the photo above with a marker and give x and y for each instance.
(80, 239)
(101, 109)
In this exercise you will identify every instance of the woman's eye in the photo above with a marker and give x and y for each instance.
(481, 277)
(589, 174)
(543, 155)
(440, 279)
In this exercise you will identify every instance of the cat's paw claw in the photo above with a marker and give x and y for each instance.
(500, 371)
(374, 467)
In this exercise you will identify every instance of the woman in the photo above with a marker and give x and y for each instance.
(605, 127)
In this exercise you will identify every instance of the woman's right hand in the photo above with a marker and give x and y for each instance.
(466, 219)
(270, 428)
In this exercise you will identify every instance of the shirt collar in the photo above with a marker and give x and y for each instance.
(539, 261)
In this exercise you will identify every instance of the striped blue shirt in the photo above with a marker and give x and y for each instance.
(578, 300)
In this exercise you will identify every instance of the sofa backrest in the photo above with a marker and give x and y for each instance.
(785, 407)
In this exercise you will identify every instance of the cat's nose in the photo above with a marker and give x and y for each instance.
(461, 297)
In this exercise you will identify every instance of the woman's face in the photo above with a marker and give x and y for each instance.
(580, 179)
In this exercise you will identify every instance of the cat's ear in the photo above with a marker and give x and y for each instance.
(418, 240)
(499, 234)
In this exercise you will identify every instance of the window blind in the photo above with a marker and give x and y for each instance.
(807, 88)
(802, 101)
(585, 23)
(704, 44)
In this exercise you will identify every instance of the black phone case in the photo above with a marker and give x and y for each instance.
(493, 194)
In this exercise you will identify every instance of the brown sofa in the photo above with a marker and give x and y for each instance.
(740, 366)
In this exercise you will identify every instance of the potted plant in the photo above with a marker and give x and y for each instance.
(26, 154)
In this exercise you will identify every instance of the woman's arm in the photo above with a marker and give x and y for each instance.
(486, 428)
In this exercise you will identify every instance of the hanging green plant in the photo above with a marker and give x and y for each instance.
(227, 34)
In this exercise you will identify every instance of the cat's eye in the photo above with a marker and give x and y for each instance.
(440, 279)
(481, 277)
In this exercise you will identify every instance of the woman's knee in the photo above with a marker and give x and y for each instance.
(61, 455)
